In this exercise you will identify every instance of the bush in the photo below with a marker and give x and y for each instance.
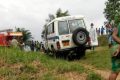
(102, 40)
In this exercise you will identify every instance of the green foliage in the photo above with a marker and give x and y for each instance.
(13, 56)
(4, 71)
(26, 34)
(48, 76)
(61, 66)
(29, 69)
(23, 77)
(48, 67)
(93, 76)
(102, 40)
(67, 67)
(112, 10)
(59, 13)
(99, 58)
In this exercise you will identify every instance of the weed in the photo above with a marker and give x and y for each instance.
(28, 69)
(93, 76)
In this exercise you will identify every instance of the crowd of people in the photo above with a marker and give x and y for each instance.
(33, 46)
(27, 46)
(100, 31)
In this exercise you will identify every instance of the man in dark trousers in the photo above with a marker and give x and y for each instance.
(32, 45)
(102, 30)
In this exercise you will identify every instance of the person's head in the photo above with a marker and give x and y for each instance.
(91, 25)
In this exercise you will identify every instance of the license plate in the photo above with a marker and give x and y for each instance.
(65, 43)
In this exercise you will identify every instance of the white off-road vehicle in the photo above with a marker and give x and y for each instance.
(67, 35)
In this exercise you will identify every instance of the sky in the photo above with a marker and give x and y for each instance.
(31, 14)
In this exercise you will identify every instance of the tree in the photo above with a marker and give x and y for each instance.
(59, 13)
(112, 11)
(26, 34)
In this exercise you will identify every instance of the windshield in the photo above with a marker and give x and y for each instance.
(74, 24)
(63, 27)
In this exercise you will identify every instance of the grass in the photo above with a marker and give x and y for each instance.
(93, 76)
(19, 65)
(28, 65)
(99, 58)
(29, 69)
(102, 40)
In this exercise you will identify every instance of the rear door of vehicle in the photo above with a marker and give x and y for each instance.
(73, 25)
(64, 34)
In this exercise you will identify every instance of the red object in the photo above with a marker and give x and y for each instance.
(4, 40)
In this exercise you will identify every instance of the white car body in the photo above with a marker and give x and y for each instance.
(57, 41)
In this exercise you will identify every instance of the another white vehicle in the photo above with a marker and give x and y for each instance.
(67, 35)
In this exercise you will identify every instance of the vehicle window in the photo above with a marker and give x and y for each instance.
(51, 28)
(63, 27)
(74, 24)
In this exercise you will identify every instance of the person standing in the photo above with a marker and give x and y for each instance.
(102, 30)
(14, 42)
(109, 31)
(99, 31)
(92, 35)
(37, 46)
(115, 51)
(32, 45)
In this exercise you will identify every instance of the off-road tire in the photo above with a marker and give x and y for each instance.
(80, 36)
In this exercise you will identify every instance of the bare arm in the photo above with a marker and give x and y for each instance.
(115, 35)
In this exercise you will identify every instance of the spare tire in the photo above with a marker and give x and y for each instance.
(80, 36)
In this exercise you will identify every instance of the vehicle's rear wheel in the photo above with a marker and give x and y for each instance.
(80, 36)
(71, 56)
(80, 52)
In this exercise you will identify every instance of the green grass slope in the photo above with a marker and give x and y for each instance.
(19, 65)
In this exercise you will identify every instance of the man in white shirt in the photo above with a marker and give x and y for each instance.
(93, 36)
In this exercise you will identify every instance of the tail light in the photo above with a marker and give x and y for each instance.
(89, 41)
(58, 45)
